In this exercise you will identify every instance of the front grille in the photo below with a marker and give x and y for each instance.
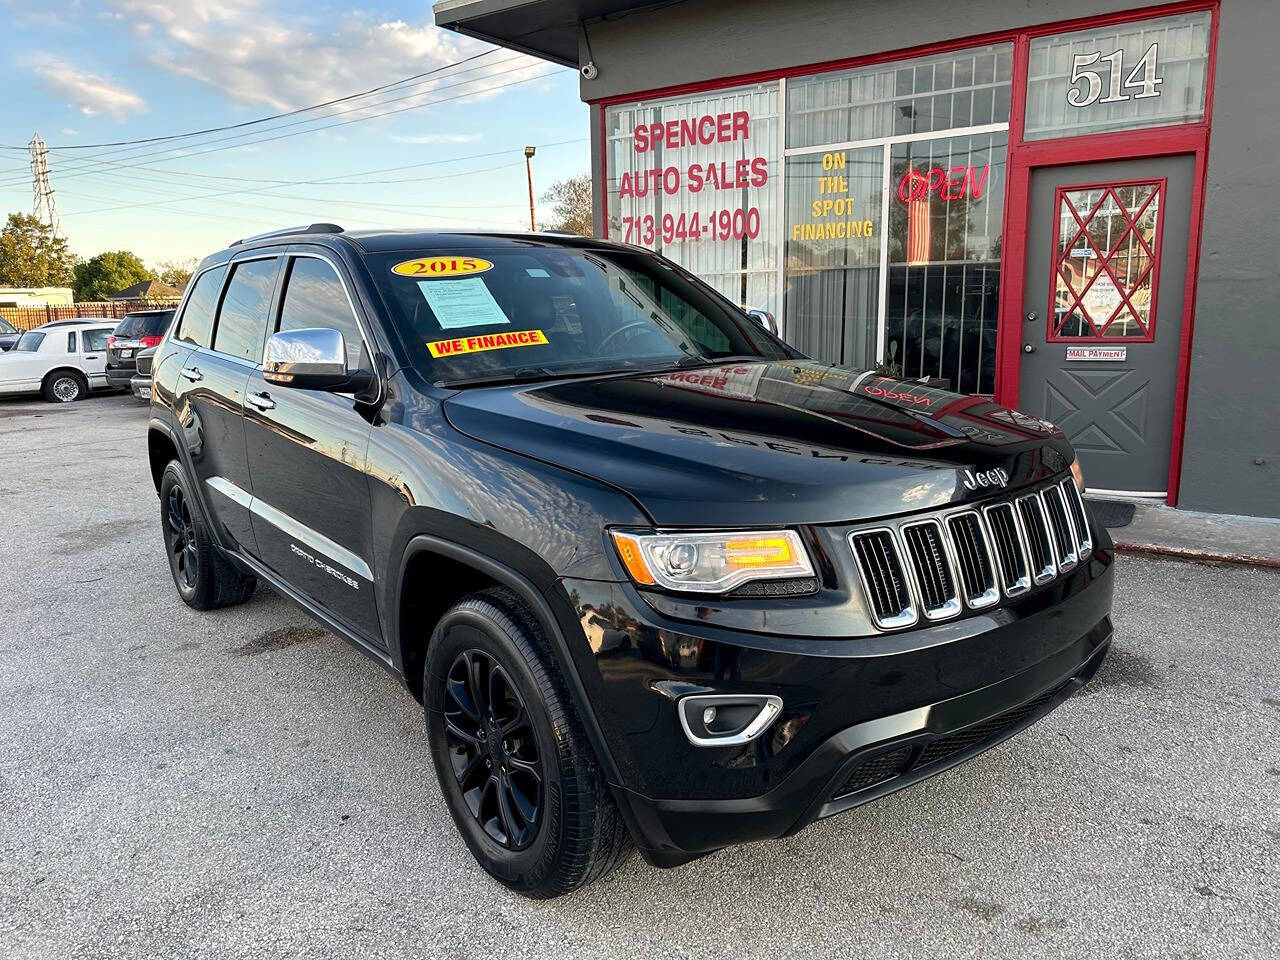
(973, 556)
(937, 566)
(144, 365)
(932, 568)
(883, 578)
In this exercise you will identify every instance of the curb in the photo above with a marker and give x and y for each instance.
(1202, 556)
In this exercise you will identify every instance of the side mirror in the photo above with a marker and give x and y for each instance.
(764, 318)
(313, 358)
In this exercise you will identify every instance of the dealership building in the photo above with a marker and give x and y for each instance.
(1066, 207)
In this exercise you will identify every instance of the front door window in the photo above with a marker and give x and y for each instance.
(1106, 261)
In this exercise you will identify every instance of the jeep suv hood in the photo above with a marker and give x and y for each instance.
(762, 443)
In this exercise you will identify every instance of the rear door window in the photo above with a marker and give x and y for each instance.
(196, 326)
(315, 297)
(242, 318)
(71, 342)
(95, 340)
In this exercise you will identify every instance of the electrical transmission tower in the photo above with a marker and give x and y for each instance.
(43, 205)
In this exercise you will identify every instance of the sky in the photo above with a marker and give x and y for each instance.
(447, 150)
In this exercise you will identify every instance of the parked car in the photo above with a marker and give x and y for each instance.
(9, 335)
(140, 385)
(656, 577)
(137, 331)
(62, 360)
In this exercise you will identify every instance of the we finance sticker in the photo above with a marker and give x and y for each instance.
(441, 268)
(494, 341)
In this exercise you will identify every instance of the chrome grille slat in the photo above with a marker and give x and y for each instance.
(1063, 536)
(1011, 548)
(1035, 534)
(1079, 518)
(884, 578)
(975, 558)
(931, 565)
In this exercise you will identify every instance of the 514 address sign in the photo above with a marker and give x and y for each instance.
(1142, 78)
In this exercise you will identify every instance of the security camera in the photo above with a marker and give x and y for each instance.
(590, 71)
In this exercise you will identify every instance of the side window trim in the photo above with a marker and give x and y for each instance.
(272, 308)
(175, 323)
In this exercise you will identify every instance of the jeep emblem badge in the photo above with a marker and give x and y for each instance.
(995, 477)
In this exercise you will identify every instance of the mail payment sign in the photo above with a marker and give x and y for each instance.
(493, 341)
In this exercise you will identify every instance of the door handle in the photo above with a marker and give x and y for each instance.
(193, 374)
(260, 401)
(92, 356)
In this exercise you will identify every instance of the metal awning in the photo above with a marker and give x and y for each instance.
(549, 29)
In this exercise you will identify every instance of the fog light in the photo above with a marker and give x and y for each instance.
(726, 720)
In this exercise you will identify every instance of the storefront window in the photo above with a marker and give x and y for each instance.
(1143, 74)
(833, 253)
(946, 205)
(696, 179)
(965, 89)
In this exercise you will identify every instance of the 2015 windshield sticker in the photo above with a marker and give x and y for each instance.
(463, 303)
(496, 341)
(441, 267)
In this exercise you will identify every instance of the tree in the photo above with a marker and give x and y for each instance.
(175, 273)
(107, 273)
(571, 201)
(31, 256)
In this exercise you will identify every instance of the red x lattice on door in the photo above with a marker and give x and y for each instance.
(1106, 261)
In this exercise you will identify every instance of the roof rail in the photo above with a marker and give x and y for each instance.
(287, 231)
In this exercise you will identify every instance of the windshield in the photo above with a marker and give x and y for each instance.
(489, 315)
(29, 342)
(136, 325)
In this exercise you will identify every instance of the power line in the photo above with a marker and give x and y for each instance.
(90, 163)
(275, 116)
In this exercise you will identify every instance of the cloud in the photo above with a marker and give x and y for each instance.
(429, 138)
(286, 61)
(90, 92)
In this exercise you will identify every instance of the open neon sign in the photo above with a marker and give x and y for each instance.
(948, 183)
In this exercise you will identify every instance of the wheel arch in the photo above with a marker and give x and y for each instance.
(410, 645)
(162, 447)
(74, 371)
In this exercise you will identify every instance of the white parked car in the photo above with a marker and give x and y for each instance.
(62, 360)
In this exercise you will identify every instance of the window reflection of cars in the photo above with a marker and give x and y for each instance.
(9, 335)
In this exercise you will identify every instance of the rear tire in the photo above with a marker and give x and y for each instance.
(490, 676)
(64, 386)
(204, 578)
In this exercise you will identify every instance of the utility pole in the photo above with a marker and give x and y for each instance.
(43, 205)
(528, 166)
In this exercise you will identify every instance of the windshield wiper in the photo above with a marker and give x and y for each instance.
(522, 375)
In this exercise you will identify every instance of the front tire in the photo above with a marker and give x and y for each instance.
(204, 578)
(64, 386)
(510, 752)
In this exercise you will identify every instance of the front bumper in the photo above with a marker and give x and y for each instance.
(863, 717)
(140, 387)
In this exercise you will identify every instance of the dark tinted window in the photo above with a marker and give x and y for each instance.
(242, 319)
(71, 342)
(196, 325)
(135, 325)
(29, 342)
(315, 297)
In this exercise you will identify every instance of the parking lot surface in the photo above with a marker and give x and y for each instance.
(245, 784)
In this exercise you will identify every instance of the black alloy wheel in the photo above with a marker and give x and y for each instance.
(180, 538)
(493, 750)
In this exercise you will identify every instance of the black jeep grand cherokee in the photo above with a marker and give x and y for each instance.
(655, 576)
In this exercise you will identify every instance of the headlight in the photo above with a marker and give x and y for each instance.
(712, 562)
(1077, 474)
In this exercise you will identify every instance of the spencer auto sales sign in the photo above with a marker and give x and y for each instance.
(690, 179)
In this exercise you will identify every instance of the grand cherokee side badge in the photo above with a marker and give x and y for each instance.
(996, 477)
